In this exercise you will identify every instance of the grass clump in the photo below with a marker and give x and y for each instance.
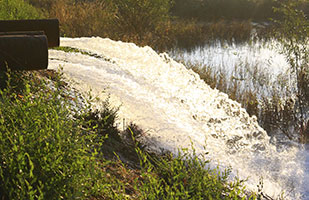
(186, 176)
(293, 33)
(44, 150)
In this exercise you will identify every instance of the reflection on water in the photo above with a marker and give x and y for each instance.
(256, 66)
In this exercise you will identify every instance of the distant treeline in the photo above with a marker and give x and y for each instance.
(161, 24)
(213, 10)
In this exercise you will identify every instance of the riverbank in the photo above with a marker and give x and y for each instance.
(57, 146)
(175, 107)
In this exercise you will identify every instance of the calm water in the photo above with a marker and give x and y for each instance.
(257, 66)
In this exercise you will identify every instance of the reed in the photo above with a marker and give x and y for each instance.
(277, 109)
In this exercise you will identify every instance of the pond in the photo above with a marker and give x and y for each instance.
(257, 65)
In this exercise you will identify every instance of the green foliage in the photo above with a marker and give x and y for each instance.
(17, 9)
(44, 153)
(186, 176)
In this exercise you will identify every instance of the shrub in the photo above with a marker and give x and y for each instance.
(18, 9)
(140, 16)
(44, 151)
(96, 18)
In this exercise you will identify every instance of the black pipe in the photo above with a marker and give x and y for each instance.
(23, 52)
(49, 26)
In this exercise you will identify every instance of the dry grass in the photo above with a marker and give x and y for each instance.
(277, 112)
(102, 18)
(82, 19)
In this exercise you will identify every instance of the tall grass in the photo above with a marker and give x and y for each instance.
(144, 22)
(53, 145)
(44, 153)
(293, 33)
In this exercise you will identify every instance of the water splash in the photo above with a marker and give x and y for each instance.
(175, 107)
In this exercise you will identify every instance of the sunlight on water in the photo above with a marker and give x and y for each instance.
(175, 107)
(257, 65)
(229, 56)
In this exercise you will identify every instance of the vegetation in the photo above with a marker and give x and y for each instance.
(285, 108)
(162, 24)
(16, 9)
(53, 145)
(293, 33)
(213, 10)
(44, 153)
(159, 23)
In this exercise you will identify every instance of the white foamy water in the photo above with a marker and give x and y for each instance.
(175, 107)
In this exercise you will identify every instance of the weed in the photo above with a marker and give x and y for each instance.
(18, 9)
(44, 153)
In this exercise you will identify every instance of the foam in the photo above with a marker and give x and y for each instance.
(175, 107)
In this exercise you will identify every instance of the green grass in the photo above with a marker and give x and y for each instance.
(52, 146)
(17, 9)
(76, 50)
(44, 149)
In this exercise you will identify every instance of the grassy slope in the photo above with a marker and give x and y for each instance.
(53, 145)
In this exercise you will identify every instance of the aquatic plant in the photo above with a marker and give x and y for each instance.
(293, 33)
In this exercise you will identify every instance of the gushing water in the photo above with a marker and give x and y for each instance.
(175, 107)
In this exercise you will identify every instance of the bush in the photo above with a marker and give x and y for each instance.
(96, 18)
(17, 9)
(44, 152)
(138, 17)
